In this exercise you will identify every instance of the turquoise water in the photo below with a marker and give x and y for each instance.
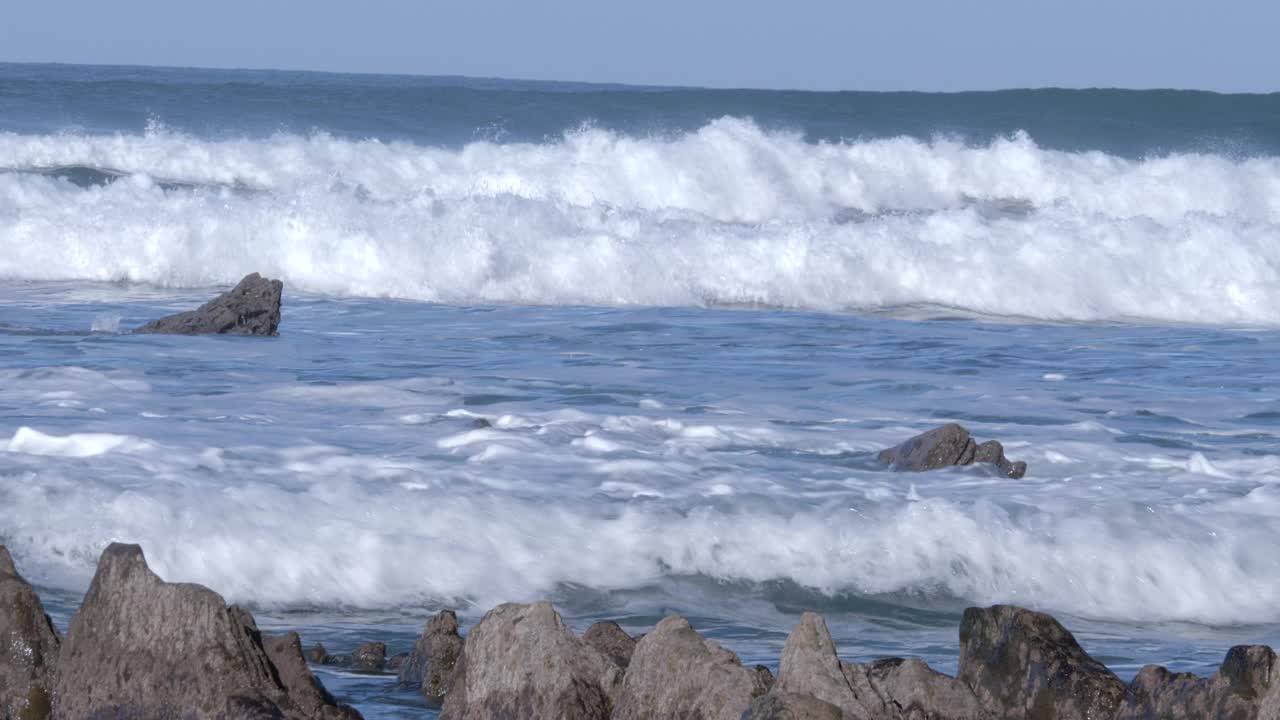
(687, 319)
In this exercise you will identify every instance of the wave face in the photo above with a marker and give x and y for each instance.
(727, 214)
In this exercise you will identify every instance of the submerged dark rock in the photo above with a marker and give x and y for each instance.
(677, 673)
(252, 307)
(369, 657)
(521, 661)
(949, 445)
(1024, 664)
(143, 648)
(434, 657)
(318, 654)
(29, 646)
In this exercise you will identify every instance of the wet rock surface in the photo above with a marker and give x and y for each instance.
(1024, 664)
(434, 657)
(611, 640)
(143, 648)
(949, 445)
(252, 307)
(369, 657)
(29, 646)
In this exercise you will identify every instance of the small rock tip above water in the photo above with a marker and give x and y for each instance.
(252, 307)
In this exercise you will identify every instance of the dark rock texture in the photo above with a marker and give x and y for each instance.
(28, 648)
(434, 657)
(889, 689)
(521, 661)
(1025, 665)
(369, 657)
(318, 654)
(676, 673)
(142, 648)
(609, 638)
(1246, 687)
(791, 706)
(250, 308)
(309, 697)
(949, 445)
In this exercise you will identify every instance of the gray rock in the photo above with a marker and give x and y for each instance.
(791, 706)
(146, 649)
(521, 661)
(309, 697)
(889, 689)
(949, 445)
(395, 662)
(434, 657)
(1246, 687)
(252, 307)
(369, 657)
(29, 647)
(609, 638)
(1024, 664)
(676, 673)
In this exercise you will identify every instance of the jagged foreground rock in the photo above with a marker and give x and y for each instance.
(29, 647)
(252, 307)
(949, 445)
(521, 661)
(142, 648)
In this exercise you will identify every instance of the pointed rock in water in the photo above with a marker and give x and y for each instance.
(1024, 664)
(949, 445)
(1246, 687)
(310, 698)
(28, 648)
(889, 689)
(434, 657)
(676, 673)
(318, 654)
(610, 639)
(521, 661)
(252, 307)
(146, 649)
(369, 657)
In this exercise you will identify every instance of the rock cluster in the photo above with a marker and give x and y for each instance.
(140, 647)
(252, 307)
(143, 648)
(949, 445)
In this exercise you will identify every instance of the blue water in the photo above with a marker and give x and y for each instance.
(687, 319)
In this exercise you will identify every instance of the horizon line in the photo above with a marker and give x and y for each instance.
(613, 85)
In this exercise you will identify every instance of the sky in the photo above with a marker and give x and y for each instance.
(1228, 46)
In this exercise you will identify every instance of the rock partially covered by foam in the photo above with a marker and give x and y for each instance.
(1246, 687)
(521, 661)
(143, 648)
(812, 675)
(434, 657)
(949, 445)
(252, 307)
(1024, 664)
(29, 647)
(676, 673)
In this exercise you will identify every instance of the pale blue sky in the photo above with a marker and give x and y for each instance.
(1229, 45)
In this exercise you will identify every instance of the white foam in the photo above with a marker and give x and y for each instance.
(76, 445)
(729, 214)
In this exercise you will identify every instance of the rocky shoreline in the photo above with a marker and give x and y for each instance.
(140, 647)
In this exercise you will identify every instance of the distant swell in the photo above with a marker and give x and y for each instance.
(727, 215)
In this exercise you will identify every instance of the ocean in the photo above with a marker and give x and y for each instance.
(635, 350)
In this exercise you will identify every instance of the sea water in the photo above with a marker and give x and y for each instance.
(635, 350)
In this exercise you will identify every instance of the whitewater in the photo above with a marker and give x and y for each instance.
(635, 350)
(727, 214)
